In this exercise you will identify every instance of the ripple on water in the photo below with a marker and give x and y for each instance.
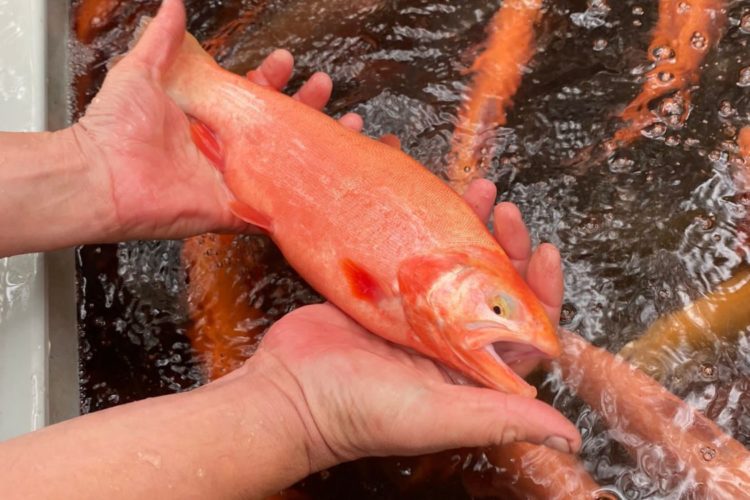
(641, 232)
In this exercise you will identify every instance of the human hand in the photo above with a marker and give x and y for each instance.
(358, 395)
(542, 268)
(154, 178)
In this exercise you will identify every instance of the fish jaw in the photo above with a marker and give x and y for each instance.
(471, 310)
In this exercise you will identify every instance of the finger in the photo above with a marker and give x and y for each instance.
(275, 70)
(352, 121)
(157, 47)
(457, 416)
(481, 195)
(316, 91)
(391, 140)
(513, 236)
(545, 279)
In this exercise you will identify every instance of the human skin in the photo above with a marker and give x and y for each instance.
(319, 391)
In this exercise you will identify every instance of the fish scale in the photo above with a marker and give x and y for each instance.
(384, 229)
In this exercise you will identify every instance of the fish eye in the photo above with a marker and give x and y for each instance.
(499, 306)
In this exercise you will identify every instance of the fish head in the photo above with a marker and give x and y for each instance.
(470, 309)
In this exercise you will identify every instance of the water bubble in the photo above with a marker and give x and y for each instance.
(621, 165)
(744, 80)
(745, 23)
(707, 221)
(665, 293)
(726, 109)
(637, 23)
(672, 141)
(567, 313)
(666, 76)
(731, 132)
(671, 107)
(654, 131)
(698, 41)
(683, 7)
(600, 44)
(708, 453)
(662, 52)
(405, 471)
(708, 371)
(716, 155)
(637, 10)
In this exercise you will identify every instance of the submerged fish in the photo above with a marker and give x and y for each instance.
(684, 34)
(718, 318)
(647, 419)
(497, 76)
(367, 226)
(221, 269)
(525, 470)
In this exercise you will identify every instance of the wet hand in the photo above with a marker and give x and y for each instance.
(138, 140)
(541, 268)
(361, 396)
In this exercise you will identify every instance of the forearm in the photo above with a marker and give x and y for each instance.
(49, 196)
(222, 441)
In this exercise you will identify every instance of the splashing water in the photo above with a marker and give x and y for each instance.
(641, 233)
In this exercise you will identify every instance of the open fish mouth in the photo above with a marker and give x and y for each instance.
(511, 353)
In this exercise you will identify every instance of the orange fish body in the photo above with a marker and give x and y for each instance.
(640, 411)
(685, 32)
(368, 227)
(720, 316)
(91, 16)
(497, 76)
(524, 470)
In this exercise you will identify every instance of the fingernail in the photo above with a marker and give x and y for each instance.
(557, 443)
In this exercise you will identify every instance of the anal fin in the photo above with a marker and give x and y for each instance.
(251, 216)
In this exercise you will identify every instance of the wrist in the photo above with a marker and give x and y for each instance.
(265, 388)
(52, 197)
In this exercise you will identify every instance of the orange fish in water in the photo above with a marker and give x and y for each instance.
(221, 269)
(524, 470)
(744, 143)
(245, 18)
(91, 16)
(685, 32)
(394, 247)
(719, 317)
(642, 413)
(497, 76)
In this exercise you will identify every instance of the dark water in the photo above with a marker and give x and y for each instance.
(641, 233)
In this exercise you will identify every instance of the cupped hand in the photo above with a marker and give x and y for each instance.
(359, 395)
(155, 179)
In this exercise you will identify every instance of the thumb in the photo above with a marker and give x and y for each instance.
(157, 46)
(460, 416)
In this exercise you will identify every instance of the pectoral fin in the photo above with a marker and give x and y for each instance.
(207, 142)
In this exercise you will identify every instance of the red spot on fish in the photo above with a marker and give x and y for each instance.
(251, 215)
(364, 285)
(207, 142)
